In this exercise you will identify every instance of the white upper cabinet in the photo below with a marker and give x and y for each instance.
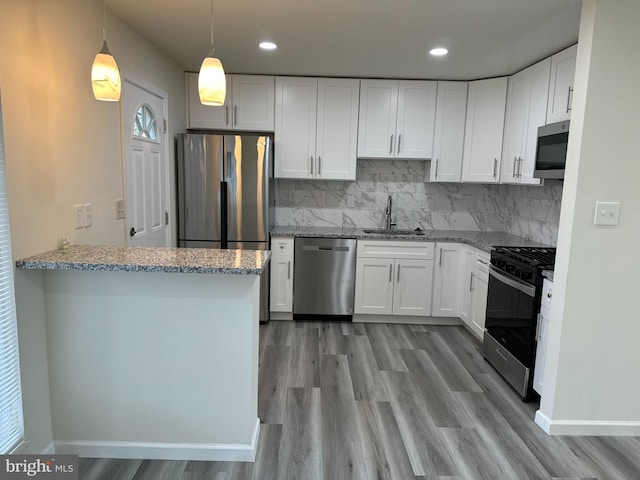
(316, 128)
(249, 105)
(483, 130)
(397, 119)
(563, 72)
(526, 111)
(451, 109)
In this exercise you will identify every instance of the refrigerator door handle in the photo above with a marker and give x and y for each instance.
(227, 173)
(224, 221)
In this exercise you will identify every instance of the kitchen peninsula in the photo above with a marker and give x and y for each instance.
(153, 352)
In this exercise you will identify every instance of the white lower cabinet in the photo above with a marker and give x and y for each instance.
(394, 278)
(281, 280)
(479, 286)
(543, 335)
(447, 279)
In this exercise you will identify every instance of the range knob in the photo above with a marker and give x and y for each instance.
(510, 268)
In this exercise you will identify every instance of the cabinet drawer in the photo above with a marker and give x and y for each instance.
(547, 294)
(282, 246)
(395, 249)
(481, 265)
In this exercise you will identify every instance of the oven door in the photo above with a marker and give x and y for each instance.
(512, 314)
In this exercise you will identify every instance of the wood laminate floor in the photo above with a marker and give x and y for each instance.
(374, 401)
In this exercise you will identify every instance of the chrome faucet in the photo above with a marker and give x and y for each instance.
(387, 214)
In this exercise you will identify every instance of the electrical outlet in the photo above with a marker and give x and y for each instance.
(120, 211)
(88, 215)
(78, 216)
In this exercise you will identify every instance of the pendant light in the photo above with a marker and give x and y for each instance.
(105, 76)
(212, 83)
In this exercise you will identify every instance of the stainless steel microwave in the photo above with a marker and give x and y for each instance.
(551, 150)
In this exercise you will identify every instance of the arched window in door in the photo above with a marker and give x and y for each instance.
(144, 125)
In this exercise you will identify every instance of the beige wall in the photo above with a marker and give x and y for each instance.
(591, 380)
(64, 148)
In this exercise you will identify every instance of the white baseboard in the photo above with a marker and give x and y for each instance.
(213, 452)
(50, 450)
(408, 319)
(587, 427)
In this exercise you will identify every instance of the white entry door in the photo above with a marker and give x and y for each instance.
(145, 167)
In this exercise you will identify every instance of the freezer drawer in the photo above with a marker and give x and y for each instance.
(324, 277)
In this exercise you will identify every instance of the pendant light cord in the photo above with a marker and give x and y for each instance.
(212, 49)
(104, 20)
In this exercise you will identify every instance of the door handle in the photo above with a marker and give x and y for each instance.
(390, 272)
(471, 282)
(569, 99)
(288, 269)
(398, 280)
(399, 142)
(226, 115)
(319, 164)
(235, 115)
(515, 161)
(391, 144)
(311, 165)
(436, 175)
(132, 231)
(520, 160)
(440, 261)
(495, 167)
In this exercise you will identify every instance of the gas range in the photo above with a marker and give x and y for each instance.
(525, 263)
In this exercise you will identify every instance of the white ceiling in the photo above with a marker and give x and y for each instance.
(359, 38)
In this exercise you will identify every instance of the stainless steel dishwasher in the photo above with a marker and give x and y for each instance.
(324, 278)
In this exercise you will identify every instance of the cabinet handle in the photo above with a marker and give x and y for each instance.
(471, 282)
(440, 261)
(515, 161)
(399, 142)
(311, 166)
(569, 99)
(288, 269)
(495, 167)
(235, 115)
(398, 280)
(226, 115)
(390, 272)
(319, 163)
(520, 160)
(391, 144)
(436, 175)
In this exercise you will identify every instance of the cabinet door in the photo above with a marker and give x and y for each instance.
(563, 72)
(526, 111)
(479, 300)
(447, 280)
(337, 128)
(469, 254)
(374, 286)
(451, 109)
(415, 121)
(483, 131)
(207, 116)
(281, 283)
(413, 287)
(541, 350)
(377, 119)
(295, 127)
(253, 103)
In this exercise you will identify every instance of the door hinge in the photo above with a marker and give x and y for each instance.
(164, 125)
(166, 218)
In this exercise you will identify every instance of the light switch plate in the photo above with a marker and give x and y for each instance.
(78, 216)
(607, 213)
(88, 215)
(120, 211)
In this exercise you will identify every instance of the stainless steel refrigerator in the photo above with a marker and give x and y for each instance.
(225, 195)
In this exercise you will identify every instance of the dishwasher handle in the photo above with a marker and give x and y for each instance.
(325, 248)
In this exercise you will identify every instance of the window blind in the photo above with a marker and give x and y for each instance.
(11, 422)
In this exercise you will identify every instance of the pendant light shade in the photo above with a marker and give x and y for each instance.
(212, 83)
(105, 75)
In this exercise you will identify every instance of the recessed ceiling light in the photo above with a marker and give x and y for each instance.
(268, 45)
(438, 52)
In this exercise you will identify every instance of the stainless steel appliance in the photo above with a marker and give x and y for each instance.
(324, 278)
(551, 150)
(224, 193)
(513, 303)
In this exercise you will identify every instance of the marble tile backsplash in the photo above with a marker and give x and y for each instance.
(532, 212)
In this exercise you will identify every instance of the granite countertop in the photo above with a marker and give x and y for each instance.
(481, 240)
(150, 259)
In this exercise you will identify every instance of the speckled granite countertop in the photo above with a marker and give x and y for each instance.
(548, 274)
(150, 259)
(482, 240)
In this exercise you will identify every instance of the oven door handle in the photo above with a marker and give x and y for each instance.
(518, 285)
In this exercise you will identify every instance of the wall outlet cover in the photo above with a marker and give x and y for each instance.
(78, 216)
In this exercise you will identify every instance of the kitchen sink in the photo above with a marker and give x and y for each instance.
(384, 231)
